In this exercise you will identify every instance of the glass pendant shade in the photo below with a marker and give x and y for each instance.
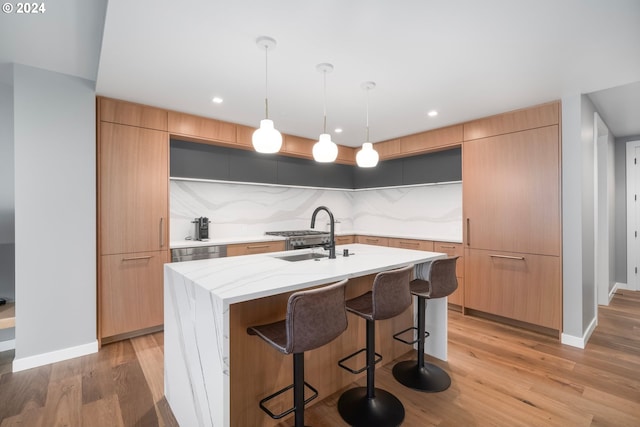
(325, 150)
(267, 139)
(367, 157)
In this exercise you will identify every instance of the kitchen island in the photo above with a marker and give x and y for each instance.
(215, 373)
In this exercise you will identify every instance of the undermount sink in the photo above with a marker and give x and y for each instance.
(301, 257)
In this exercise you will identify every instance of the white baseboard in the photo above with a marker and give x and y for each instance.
(579, 342)
(624, 286)
(7, 345)
(613, 292)
(54, 356)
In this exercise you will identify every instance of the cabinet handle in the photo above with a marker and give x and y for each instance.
(447, 247)
(136, 258)
(257, 246)
(519, 258)
(161, 232)
(372, 240)
(409, 244)
(468, 232)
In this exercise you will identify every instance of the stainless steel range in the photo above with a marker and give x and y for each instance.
(300, 239)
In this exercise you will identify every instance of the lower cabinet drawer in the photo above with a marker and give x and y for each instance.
(131, 292)
(518, 286)
(255, 248)
(345, 240)
(372, 240)
(419, 245)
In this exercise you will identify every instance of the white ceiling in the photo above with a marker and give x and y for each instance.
(464, 58)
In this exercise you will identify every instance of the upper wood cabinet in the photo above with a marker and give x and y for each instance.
(202, 128)
(128, 113)
(514, 121)
(133, 180)
(511, 192)
(420, 143)
(244, 136)
(303, 147)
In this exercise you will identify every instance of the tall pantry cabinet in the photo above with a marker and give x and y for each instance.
(133, 212)
(512, 218)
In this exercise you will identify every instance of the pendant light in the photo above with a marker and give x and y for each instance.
(367, 157)
(266, 139)
(325, 150)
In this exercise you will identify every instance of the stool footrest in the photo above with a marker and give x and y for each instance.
(358, 371)
(412, 328)
(290, 410)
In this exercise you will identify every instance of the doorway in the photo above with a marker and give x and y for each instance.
(633, 214)
(604, 205)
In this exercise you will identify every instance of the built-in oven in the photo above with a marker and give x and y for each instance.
(198, 252)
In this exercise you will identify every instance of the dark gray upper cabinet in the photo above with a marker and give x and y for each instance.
(202, 161)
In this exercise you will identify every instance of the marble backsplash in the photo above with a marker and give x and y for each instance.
(432, 211)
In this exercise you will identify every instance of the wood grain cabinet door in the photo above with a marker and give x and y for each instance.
(133, 189)
(254, 248)
(373, 240)
(524, 287)
(453, 249)
(131, 295)
(511, 192)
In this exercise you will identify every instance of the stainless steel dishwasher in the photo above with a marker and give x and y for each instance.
(198, 252)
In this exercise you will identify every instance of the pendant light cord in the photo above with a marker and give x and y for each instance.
(367, 140)
(324, 74)
(266, 81)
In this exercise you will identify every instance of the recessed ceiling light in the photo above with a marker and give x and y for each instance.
(217, 100)
(338, 130)
(432, 113)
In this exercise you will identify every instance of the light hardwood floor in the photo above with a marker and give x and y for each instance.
(501, 376)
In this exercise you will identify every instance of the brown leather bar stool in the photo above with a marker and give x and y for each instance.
(370, 406)
(314, 318)
(417, 374)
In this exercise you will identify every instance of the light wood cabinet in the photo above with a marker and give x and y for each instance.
(373, 240)
(454, 249)
(523, 287)
(202, 128)
(131, 292)
(128, 113)
(345, 240)
(511, 192)
(419, 245)
(133, 189)
(133, 229)
(513, 121)
(254, 248)
(512, 227)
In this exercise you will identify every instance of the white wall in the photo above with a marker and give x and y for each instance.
(578, 250)
(7, 223)
(55, 215)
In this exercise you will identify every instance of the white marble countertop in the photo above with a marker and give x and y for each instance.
(237, 279)
(175, 244)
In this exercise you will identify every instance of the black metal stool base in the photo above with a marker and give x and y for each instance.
(384, 410)
(429, 378)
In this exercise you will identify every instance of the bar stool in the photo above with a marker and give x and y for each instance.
(314, 318)
(370, 406)
(417, 374)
